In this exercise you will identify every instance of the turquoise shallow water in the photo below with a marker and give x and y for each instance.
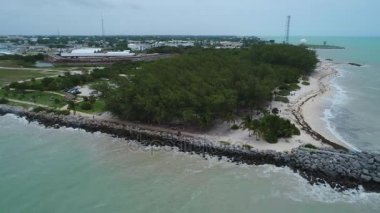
(66, 170)
(353, 112)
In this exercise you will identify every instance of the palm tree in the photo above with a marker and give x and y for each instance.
(255, 124)
(247, 124)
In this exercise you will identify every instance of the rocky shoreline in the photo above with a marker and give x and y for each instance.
(339, 168)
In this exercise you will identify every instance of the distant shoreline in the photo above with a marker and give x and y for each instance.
(324, 47)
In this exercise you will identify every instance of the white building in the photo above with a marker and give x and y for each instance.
(139, 46)
(96, 52)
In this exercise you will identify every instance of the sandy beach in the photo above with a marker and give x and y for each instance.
(305, 108)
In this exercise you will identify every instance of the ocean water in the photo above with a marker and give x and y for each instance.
(354, 113)
(67, 170)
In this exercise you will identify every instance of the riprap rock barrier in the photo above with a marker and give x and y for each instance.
(340, 169)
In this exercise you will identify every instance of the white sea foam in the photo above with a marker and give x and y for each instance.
(328, 116)
(339, 99)
(303, 191)
(299, 189)
(326, 194)
(373, 88)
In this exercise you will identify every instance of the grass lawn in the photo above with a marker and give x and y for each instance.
(43, 98)
(10, 63)
(98, 107)
(12, 75)
(25, 106)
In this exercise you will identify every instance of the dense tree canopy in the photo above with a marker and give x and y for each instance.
(202, 85)
(26, 59)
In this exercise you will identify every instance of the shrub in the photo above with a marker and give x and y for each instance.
(39, 109)
(294, 87)
(272, 127)
(310, 146)
(306, 83)
(285, 89)
(247, 147)
(225, 143)
(270, 138)
(235, 127)
(57, 101)
(64, 112)
(58, 112)
(4, 101)
(275, 111)
(86, 106)
(71, 105)
(92, 99)
(281, 99)
(284, 92)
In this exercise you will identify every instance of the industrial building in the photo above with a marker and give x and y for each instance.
(97, 56)
(96, 52)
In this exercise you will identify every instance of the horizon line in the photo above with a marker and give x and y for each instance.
(193, 35)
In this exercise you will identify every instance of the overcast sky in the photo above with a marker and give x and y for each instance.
(195, 17)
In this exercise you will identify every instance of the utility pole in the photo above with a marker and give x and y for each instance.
(287, 30)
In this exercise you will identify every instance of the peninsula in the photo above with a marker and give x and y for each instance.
(234, 103)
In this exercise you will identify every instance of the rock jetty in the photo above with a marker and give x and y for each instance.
(340, 169)
(355, 64)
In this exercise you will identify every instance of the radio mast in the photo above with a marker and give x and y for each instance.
(287, 30)
(102, 26)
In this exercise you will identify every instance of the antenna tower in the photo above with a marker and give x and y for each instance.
(102, 26)
(287, 30)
